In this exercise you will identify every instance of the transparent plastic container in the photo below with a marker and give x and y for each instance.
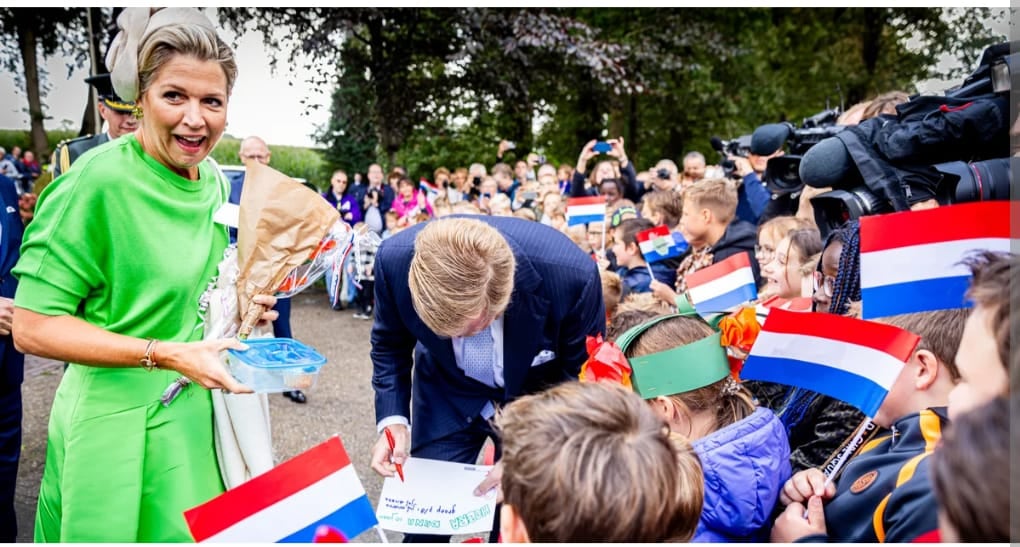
(272, 365)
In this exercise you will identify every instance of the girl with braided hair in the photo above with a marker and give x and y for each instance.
(817, 424)
(838, 276)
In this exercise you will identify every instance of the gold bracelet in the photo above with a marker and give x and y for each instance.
(147, 361)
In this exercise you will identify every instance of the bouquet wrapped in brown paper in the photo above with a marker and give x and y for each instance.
(281, 226)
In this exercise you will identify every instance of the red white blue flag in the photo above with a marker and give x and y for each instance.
(722, 286)
(911, 261)
(289, 503)
(657, 244)
(852, 360)
(586, 210)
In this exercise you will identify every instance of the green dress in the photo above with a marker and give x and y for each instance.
(127, 245)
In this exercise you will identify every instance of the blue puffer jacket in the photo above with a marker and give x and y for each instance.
(745, 465)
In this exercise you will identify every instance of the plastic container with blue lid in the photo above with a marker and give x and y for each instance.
(272, 365)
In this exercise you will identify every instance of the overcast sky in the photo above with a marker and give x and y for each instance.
(263, 103)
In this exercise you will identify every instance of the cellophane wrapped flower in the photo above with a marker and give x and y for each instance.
(606, 362)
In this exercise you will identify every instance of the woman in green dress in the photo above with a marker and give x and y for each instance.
(112, 269)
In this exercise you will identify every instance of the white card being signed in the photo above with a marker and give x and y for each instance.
(436, 498)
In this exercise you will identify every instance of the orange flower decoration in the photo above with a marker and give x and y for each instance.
(740, 329)
(606, 362)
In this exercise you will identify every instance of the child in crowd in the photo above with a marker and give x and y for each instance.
(967, 471)
(782, 274)
(526, 214)
(590, 462)
(816, 424)
(884, 493)
(771, 232)
(626, 319)
(392, 224)
(612, 290)
(441, 207)
(984, 357)
(635, 272)
(363, 265)
(708, 222)
(499, 206)
(680, 368)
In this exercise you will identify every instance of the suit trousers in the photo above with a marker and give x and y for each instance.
(10, 453)
(461, 447)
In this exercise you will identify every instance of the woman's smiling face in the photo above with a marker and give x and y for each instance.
(184, 113)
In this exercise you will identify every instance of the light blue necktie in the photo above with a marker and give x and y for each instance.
(478, 357)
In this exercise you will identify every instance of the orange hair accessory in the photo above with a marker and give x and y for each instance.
(606, 362)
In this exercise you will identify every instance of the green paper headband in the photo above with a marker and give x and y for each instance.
(675, 370)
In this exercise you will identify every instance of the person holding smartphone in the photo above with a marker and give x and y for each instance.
(614, 148)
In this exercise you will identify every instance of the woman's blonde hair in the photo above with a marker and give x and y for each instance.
(462, 268)
(191, 40)
(728, 401)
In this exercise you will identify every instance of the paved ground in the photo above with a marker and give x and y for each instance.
(342, 402)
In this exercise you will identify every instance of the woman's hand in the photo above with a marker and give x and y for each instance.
(586, 154)
(200, 362)
(270, 315)
(617, 151)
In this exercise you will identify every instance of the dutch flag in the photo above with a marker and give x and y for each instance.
(852, 360)
(910, 261)
(657, 244)
(288, 503)
(586, 210)
(722, 286)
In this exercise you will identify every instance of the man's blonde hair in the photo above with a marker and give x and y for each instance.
(462, 268)
(587, 462)
(716, 195)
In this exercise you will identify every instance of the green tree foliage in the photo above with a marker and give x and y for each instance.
(442, 87)
(31, 35)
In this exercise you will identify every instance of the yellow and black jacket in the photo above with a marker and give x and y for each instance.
(68, 151)
(884, 495)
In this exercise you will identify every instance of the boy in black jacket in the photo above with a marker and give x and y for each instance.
(884, 493)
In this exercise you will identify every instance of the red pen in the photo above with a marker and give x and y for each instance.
(393, 444)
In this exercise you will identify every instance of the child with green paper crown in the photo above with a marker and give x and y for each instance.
(680, 368)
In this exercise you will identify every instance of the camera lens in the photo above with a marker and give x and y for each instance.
(782, 175)
(978, 181)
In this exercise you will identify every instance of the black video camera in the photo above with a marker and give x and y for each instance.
(738, 147)
(782, 173)
(889, 163)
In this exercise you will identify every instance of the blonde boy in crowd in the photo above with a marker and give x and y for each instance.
(591, 462)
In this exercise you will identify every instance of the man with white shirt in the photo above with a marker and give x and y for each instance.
(490, 308)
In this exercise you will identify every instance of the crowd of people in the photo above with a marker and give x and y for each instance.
(486, 302)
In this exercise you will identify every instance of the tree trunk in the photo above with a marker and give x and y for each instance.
(29, 58)
(88, 119)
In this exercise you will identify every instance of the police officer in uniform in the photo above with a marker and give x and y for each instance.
(119, 118)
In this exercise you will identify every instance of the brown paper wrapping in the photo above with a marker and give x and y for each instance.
(281, 222)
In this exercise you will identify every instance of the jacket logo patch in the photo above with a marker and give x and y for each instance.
(863, 482)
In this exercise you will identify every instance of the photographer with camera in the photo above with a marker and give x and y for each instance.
(605, 169)
(375, 198)
(753, 197)
(662, 178)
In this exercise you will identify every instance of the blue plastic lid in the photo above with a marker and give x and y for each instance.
(278, 353)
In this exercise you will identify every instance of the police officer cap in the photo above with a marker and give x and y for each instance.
(104, 88)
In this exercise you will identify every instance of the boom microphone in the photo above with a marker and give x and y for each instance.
(828, 164)
(770, 137)
(717, 144)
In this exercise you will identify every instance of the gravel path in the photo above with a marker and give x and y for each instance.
(341, 402)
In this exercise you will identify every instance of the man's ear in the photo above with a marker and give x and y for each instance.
(706, 215)
(928, 369)
(511, 527)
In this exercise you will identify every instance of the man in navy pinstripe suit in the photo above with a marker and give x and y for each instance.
(490, 308)
(12, 361)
